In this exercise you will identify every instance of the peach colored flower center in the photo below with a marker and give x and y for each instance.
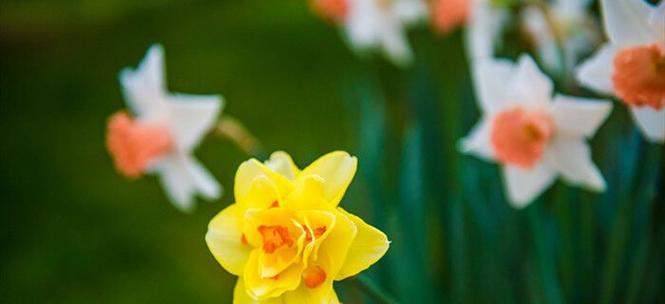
(275, 237)
(134, 144)
(519, 136)
(447, 15)
(639, 76)
(314, 276)
(335, 10)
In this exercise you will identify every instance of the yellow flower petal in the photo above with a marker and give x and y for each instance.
(263, 288)
(333, 251)
(337, 170)
(262, 194)
(224, 239)
(240, 296)
(369, 245)
(308, 194)
(324, 294)
(282, 163)
(247, 173)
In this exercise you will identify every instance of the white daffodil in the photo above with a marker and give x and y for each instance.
(381, 24)
(485, 25)
(162, 130)
(569, 23)
(631, 66)
(535, 136)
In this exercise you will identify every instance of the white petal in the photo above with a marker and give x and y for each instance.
(572, 158)
(144, 87)
(530, 85)
(579, 116)
(395, 45)
(191, 117)
(525, 185)
(363, 24)
(205, 183)
(627, 21)
(485, 24)
(409, 11)
(492, 78)
(651, 122)
(478, 142)
(183, 177)
(177, 182)
(596, 72)
(567, 10)
(657, 22)
(536, 25)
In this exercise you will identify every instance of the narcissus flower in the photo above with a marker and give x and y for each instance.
(631, 66)
(285, 236)
(376, 24)
(161, 130)
(534, 136)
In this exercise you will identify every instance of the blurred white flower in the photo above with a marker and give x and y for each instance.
(381, 24)
(534, 136)
(161, 132)
(563, 20)
(485, 25)
(631, 65)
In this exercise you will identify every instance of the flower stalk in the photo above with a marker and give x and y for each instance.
(234, 130)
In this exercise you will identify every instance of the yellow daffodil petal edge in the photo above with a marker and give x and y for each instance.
(369, 245)
(224, 239)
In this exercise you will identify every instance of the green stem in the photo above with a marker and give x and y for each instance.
(366, 285)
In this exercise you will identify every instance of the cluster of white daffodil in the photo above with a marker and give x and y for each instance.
(534, 133)
(537, 135)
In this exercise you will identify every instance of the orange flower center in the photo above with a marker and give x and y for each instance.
(639, 76)
(447, 15)
(318, 232)
(519, 137)
(314, 276)
(275, 237)
(134, 144)
(335, 10)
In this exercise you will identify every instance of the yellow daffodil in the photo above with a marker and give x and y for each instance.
(286, 238)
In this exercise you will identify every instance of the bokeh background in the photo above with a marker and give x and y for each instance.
(74, 231)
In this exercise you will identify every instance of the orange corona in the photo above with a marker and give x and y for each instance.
(639, 76)
(134, 144)
(519, 136)
(335, 10)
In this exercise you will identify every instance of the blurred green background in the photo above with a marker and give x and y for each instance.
(74, 231)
